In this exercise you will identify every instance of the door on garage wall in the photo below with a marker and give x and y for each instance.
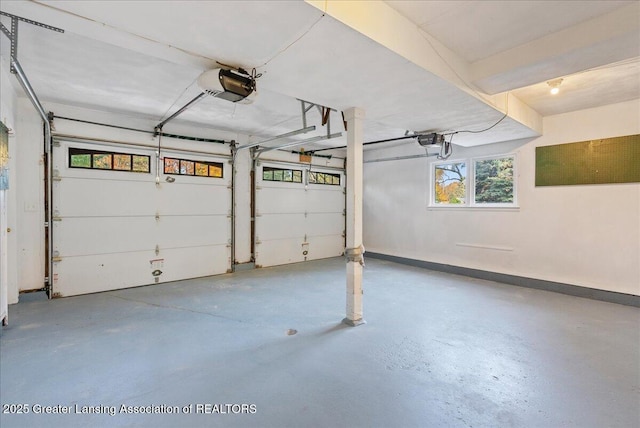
(115, 225)
(299, 213)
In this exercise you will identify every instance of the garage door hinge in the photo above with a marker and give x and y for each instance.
(56, 175)
(344, 212)
(56, 259)
(258, 187)
(56, 144)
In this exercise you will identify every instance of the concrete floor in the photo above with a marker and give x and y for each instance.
(437, 350)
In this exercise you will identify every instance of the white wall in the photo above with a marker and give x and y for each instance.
(582, 235)
(8, 115)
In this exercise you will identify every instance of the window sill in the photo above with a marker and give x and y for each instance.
(471, 208)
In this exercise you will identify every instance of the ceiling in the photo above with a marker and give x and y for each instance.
(412, 66)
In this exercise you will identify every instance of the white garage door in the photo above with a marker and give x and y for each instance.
(299, 214)
(114, 227)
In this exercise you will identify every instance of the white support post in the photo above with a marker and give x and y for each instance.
(355, 261)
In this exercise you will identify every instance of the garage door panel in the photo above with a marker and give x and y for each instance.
(322, 247)
(285, 199)
(186, 231)
(283, 251)
(78, 236)
(279, 252)
(91, 274)
(199, 261)
(325, 224)
(280, 226)
(188, 199)
(122, 270)
(323, 201)
(89, 197)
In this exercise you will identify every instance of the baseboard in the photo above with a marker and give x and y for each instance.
(520, 281)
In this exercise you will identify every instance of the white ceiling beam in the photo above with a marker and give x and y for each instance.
(387, 27)
(602, 40)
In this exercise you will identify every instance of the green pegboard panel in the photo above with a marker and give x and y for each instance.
(610, 160)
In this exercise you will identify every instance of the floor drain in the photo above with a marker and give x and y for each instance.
(291, 332)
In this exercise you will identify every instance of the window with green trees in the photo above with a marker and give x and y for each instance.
(494, 181)
(491, 182)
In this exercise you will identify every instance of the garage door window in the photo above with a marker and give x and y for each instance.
(324, 178)
(175, 166)
(97, 159)
(278, 174)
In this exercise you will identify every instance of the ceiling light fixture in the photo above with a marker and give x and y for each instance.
(554, 85)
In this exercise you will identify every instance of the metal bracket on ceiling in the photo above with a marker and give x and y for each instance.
(13, 34)
(278, 137)
(325, 114)
(258, 152)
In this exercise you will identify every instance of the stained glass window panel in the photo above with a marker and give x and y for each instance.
(187, 167)
(215, 171)
(171, 166)
(141, 163)
(81, 161)
(202, 169)
(122, 162)
(102, 161)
